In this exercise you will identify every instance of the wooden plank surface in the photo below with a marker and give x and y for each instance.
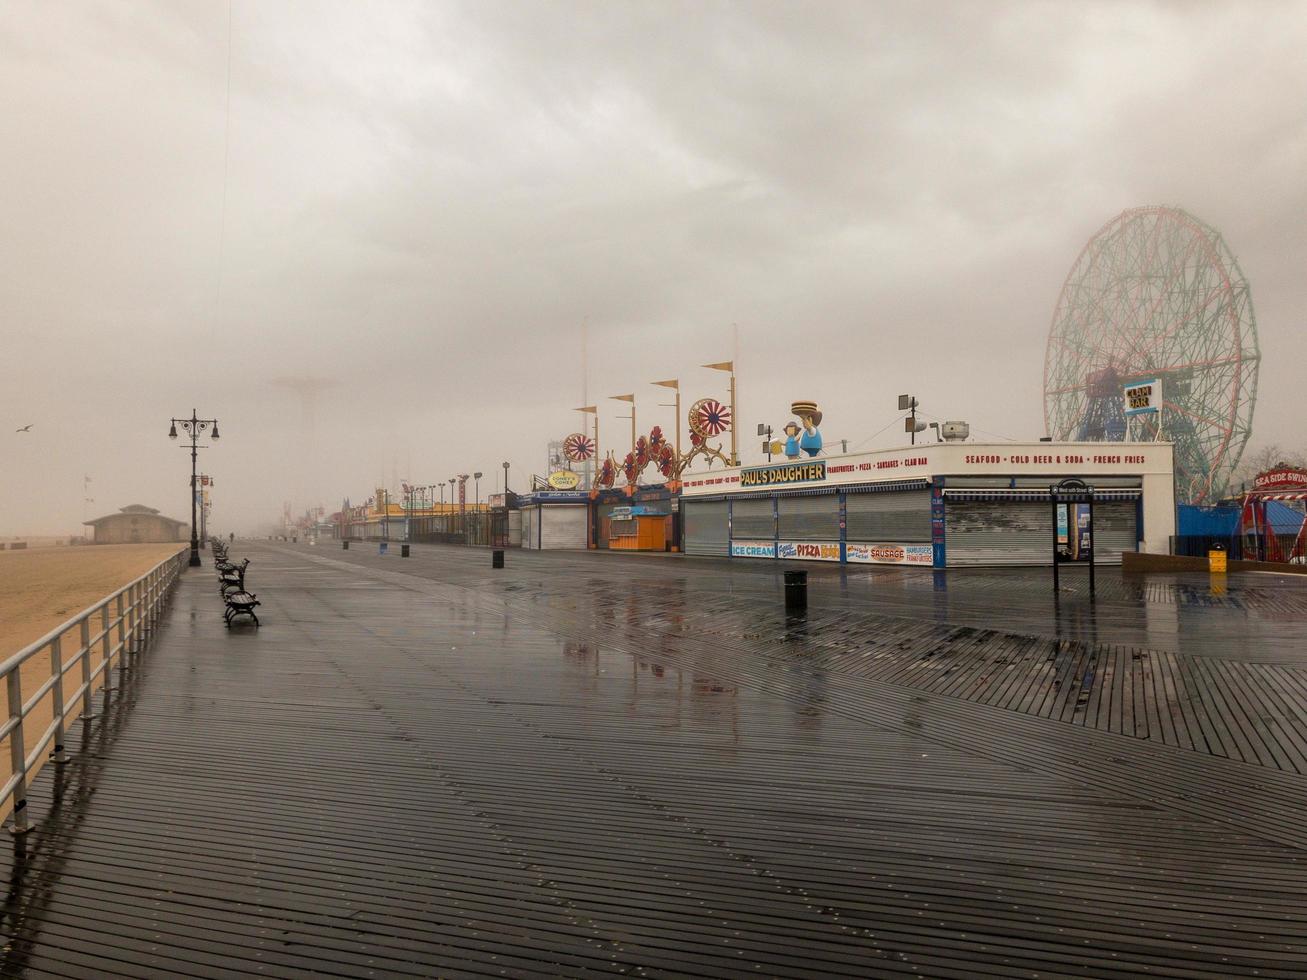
(568, 767)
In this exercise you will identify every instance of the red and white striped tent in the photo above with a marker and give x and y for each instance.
(1284, 483)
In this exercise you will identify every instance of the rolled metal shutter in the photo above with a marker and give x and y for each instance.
(752, 520)
(902, 518)
(562, 527)
(812, 518)
(1020, 532)
(1116, 529)
(705, 528)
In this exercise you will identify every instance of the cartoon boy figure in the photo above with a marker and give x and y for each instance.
(791, 440)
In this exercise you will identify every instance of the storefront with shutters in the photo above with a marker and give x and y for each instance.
(553, 519)
(648, 500)
(939, 505)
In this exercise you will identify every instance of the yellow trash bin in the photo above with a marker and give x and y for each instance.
(1216, 556)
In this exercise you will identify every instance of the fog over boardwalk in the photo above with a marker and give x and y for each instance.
(639, 764)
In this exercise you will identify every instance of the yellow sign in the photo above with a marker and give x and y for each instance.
(564, 480)
(765, 476)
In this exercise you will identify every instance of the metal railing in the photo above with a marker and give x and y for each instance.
(120, 623)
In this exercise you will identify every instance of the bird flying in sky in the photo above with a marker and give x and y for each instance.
(26, 428)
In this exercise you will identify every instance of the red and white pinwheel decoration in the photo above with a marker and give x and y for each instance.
(578, 447)
(709, 417)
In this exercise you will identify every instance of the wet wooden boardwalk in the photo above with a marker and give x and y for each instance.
(576, 765)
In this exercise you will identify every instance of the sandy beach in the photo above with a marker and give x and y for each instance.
(42, 588)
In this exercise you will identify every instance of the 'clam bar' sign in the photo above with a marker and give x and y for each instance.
(770, 476)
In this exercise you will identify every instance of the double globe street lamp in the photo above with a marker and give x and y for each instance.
(193, 426)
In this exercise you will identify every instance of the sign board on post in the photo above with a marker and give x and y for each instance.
(1143, 397)
(563, 480)
(1290, 477)
(1073, 526)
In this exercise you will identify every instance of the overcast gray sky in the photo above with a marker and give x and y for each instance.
(426, 201)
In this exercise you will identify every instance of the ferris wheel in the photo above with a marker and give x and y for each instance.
(1157, 294)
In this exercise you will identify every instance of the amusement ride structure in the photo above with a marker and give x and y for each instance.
(1157, 296)
(707, 419)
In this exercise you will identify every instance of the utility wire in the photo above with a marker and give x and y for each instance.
(898, 418)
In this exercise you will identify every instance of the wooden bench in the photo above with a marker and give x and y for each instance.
(231, 578)
(240, 604)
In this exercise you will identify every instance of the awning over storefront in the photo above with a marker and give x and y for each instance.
(894, 486)
(1038, 496)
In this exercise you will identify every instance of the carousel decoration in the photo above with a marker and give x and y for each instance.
(709, 418)
(578, 447)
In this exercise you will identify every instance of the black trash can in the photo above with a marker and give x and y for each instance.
(403, 551)
(345, 545)
(496, 559)
(796, 590)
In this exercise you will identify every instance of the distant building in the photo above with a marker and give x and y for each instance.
(137, 523)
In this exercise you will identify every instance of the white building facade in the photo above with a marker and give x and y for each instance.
(939, 505)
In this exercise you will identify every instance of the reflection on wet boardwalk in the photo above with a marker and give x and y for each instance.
(576, 764)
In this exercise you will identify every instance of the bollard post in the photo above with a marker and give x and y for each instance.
(496, 559)
(381, 548)
(796, 590)
(345, 545)
(403, 551)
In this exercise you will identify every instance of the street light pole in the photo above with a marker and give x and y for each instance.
(505, 483)
(193, 426)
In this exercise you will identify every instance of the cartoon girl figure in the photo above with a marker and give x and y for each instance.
(810, 415)
(791, 440)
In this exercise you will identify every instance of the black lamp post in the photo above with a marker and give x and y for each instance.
(505, 482)
(193, 426)
(476, 483)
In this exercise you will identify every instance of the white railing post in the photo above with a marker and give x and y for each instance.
(122, 634)
(88, 704)
(58, 756)
(18, 755)
(106, 648)
(132, 618)
(138, 608)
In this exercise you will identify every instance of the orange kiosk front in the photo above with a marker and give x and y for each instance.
(638, 528)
